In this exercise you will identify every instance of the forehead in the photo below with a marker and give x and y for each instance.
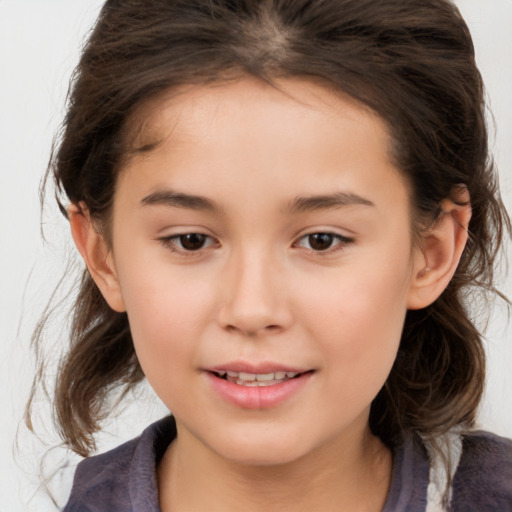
(189, 106)
(309, 136)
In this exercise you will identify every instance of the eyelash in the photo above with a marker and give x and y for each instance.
(171, 243)
(343, 242)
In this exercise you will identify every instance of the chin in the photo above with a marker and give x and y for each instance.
(260, 451)
(261, 457)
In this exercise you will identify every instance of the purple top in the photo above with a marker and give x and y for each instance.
(124, 479)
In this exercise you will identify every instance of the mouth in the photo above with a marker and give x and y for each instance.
(258, 386)
(257, 379)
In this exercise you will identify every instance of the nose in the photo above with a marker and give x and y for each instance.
(254, 296)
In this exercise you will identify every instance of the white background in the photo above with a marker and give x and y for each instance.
(39, 46)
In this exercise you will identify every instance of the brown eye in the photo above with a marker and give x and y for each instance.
(320, 241)
(192, 241)
(187, 243)
(323, 242)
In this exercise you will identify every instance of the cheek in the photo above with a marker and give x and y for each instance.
(360, 322)
(161, 299)
(360, 354)
(165, 317)
(161, 335)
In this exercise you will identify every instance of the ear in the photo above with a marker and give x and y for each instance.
(97, 255)
(436, 261)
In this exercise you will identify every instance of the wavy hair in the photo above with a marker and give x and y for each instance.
(413, 63)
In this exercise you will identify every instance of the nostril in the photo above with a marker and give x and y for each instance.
(272, 328)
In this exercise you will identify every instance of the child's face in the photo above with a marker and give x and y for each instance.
(299, 259)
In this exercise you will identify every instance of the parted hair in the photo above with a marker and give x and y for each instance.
(412, 62)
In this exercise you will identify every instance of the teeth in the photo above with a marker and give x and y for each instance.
(257, 379)
(247, 376)
(248, 383)
(264, 377)
(256, 383)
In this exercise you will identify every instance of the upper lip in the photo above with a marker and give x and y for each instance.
(260, 368)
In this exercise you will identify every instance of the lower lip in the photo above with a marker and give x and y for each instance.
(258, 397)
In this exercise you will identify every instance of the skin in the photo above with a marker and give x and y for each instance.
(260, 292)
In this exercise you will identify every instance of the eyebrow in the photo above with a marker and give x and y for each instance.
(325, 202)
(179, 200)
(304, 204)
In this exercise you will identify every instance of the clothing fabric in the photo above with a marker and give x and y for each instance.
(124, 479)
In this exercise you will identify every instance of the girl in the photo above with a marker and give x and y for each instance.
(283, 207)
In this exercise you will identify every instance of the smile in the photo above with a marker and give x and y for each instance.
(259, 389)
(256, 379)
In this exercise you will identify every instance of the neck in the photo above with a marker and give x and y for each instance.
(352, 476)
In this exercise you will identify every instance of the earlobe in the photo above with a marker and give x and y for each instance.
(96, 254)
(436, 261)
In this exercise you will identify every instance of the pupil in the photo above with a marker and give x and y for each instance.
(192, 241)
(320, 241)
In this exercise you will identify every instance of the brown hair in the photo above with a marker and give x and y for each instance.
(411, 62)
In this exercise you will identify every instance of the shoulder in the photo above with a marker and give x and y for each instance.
(483, 480)
(409, 479)
(122, 479)
(102, 478)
